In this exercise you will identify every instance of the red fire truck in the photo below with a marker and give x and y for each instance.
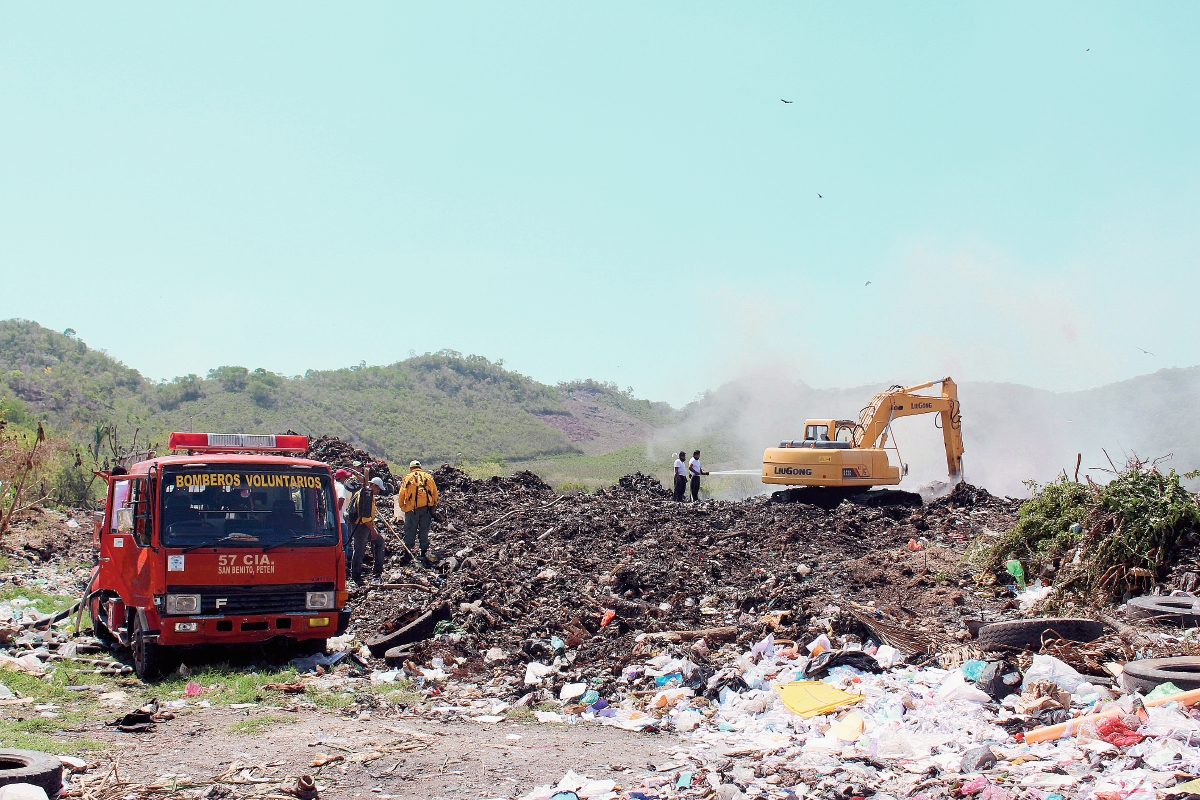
(235, 540)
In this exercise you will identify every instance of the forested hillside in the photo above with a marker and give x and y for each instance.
(436, 407)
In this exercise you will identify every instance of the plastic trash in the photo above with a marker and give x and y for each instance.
(1015, 569)
(1034, 594)
(192, 689)
(819, 645)
(1114, 731)
(810, 698)
(849, 728)
(1163, 690)
(856, 659)
(766, 647)
(570, 691)
(389, 676)
(956, 687)
(669, 697)
(309, 663)
(1049, 668)
(887, 656)
(535, 671)
(973, 669)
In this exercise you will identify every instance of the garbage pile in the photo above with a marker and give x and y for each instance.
(785, 720)
(342, 455)
(580, 581)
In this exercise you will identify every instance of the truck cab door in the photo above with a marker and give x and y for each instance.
(125, 553)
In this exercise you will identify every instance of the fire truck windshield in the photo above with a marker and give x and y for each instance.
(215, 506)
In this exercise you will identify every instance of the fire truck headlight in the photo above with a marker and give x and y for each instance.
(186, 627)
(183, 604)
(318, 600)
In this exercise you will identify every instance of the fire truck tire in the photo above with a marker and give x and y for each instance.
(31, 766)
(147, 655)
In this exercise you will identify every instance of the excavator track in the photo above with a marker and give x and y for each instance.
(830, 498)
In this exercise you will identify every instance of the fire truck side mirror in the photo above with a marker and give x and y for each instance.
(124, 520)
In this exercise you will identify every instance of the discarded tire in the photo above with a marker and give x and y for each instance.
(1021, 634)
(1145, 674)
(1178, 610)
(31, 766)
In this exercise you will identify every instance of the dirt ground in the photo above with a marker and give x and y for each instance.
(453, 758)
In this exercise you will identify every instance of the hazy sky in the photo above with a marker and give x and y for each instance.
(610, 190)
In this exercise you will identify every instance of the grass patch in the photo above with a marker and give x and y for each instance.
(334, 701)
(233, 684)
(405, 695)
(42, 601)
(520, 714)
(26, 728)
(37, 734)
(256, 725)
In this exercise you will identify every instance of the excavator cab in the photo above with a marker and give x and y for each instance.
(816, 432)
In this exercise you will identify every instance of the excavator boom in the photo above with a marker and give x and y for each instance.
(877, 416)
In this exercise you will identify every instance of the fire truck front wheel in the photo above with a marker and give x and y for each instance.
(148, 655)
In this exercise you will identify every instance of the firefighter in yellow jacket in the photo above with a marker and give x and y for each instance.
(418, 497)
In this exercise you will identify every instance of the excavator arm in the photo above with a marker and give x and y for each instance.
(903, 401)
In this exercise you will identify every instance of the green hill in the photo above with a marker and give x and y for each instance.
(437, 407)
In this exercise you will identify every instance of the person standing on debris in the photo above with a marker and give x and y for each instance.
(694, 473)
(418, 499)
(680, 477)
(361, 509)
(343, 498)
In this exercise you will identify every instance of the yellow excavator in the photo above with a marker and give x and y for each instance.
(840, 458)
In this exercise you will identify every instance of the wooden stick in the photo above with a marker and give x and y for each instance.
(711, 634)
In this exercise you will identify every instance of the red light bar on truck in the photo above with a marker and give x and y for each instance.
(237, 443)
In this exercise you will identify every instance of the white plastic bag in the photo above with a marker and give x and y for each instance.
(1049, 668)
(956, 687)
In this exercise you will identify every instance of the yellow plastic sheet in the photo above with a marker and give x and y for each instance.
(810, 698)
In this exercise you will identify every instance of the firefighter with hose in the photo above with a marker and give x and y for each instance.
(417, 499)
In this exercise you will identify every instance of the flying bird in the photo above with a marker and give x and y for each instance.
(1147, 352)
(1088, 50)
(789, 102)
(868, 283)
(819, 195)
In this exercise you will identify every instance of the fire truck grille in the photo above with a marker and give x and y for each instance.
(251, 599)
